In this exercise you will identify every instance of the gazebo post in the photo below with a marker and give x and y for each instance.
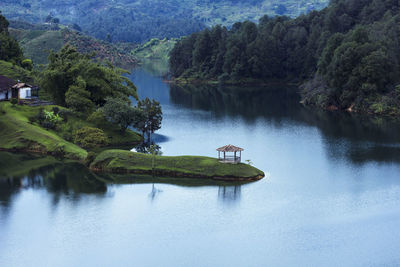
(230, 149)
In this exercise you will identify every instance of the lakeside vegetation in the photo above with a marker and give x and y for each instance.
(93, 113)
(121, 161)
(346, 55)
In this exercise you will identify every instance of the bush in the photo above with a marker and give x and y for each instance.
(14, 101)
(27, 64)
(89, 137)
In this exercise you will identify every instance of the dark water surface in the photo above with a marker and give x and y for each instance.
(331, 196)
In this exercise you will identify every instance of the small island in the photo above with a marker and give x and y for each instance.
(125, 162)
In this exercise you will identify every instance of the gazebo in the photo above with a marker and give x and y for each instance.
(230, 158)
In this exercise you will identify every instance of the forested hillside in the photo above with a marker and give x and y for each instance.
(38, 40)
(141, 20)
(347, 54)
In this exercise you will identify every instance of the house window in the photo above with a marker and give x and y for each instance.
(28, 93)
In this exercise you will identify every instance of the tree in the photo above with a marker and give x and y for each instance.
(78, 98)
(102, 80)
(152, 114)
(120, 112)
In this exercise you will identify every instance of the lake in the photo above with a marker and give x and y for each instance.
(331, 195)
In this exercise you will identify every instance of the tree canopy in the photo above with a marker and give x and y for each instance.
(348, 53)
(70, 73)
(9, 48)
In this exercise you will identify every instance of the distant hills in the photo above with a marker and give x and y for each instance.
(141, 20)
(37, 40)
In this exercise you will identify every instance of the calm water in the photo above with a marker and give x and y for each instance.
(331, 196)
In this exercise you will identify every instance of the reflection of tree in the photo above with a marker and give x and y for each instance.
(154, 192)
(355, 137)
(60, 179)
(250, 103)
(229, 193)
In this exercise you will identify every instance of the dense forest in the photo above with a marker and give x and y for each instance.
(9, 48)
(141, 20)
(346, 55)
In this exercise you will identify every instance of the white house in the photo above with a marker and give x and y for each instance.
(22, 91)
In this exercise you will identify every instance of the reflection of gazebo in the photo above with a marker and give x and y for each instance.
(230, 158)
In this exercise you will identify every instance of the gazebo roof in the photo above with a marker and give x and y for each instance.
(229, 148)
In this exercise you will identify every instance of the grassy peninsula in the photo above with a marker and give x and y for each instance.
(121, 161)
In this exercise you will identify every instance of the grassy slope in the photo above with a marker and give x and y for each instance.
(17, 133)
(121, 161)
(14, 72)
(155, 49)
(37, 44)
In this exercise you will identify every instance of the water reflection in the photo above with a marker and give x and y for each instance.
(355, 137)
(154, 192)
(229, 194)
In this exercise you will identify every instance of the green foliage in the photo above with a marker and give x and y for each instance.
(345, 53)
(14, 101)
(150, 116)
(9, 48)
(78, 98)
(120, 112)
(15, 72)
(122, 161)
(86, 79)
(18, 134)
(89, 137)
(139, 21)
(27, 64)
(97, 117)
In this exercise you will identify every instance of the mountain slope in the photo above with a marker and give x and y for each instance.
(37, 44)
(140, 20)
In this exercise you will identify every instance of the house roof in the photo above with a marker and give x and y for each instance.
(21, 85)
(229, 148)
(5, 83)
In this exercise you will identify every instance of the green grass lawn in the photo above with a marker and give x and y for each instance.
(121, 161)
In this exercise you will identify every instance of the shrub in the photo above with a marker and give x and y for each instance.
(89, 137)
(27, 64)
(14, 101)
